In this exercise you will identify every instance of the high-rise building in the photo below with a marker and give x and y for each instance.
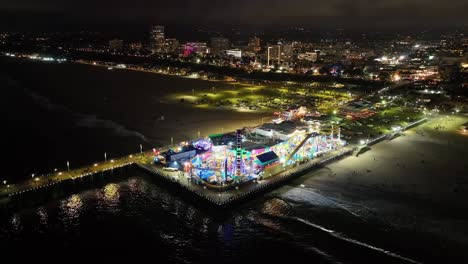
(273, 54)
(279, 53)
(219, 44)
(255, 44)
(157, 38)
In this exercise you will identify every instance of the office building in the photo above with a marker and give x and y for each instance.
(157, 38)
(255, 45)
(219, 44)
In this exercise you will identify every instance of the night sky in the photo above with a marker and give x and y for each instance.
(313, 13)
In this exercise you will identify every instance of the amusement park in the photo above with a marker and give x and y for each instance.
(221, 161)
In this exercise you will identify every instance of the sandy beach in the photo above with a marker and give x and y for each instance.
(414, 184)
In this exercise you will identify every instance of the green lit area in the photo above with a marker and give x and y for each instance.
(263, 98)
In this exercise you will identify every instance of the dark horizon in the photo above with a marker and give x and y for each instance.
(260, 14)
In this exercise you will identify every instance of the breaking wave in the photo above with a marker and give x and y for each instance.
(306, 195)
(353, 241)
(82, 120)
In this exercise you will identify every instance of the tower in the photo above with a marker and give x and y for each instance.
(268, 55)
(238, 152)
(157, 38)
(279, 54)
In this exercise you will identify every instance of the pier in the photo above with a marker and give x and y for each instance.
(226, 198)
(221, 198)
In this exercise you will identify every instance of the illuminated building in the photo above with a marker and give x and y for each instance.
(157, 38)
(273, 53)
(192, 48)
(136, 46)
(219, 44)
(234, 52)
(255, 44)
(170, 45)
(309, 56)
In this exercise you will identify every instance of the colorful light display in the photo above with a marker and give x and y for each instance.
(227, 164)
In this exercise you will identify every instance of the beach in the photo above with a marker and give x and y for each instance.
(414, 184)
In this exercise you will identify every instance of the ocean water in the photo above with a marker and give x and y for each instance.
(134, 214)
(137, 212)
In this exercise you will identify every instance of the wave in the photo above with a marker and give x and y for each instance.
(270, 223)
(310, 196)
(353, 241)
(91, 121)
(83, 120)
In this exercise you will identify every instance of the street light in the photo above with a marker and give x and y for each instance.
(68, 165)
(105, 156)
(141, 148)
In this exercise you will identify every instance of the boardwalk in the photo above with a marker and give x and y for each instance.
(56, 177)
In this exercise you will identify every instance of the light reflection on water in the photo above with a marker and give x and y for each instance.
(71, 207)
(139, 213)
(111, 192)
(69, 212)
(16, 225)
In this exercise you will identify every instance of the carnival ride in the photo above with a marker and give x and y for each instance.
(228, 164)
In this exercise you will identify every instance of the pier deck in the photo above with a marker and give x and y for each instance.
(227, 197)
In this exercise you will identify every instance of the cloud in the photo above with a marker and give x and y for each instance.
(254, 11)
